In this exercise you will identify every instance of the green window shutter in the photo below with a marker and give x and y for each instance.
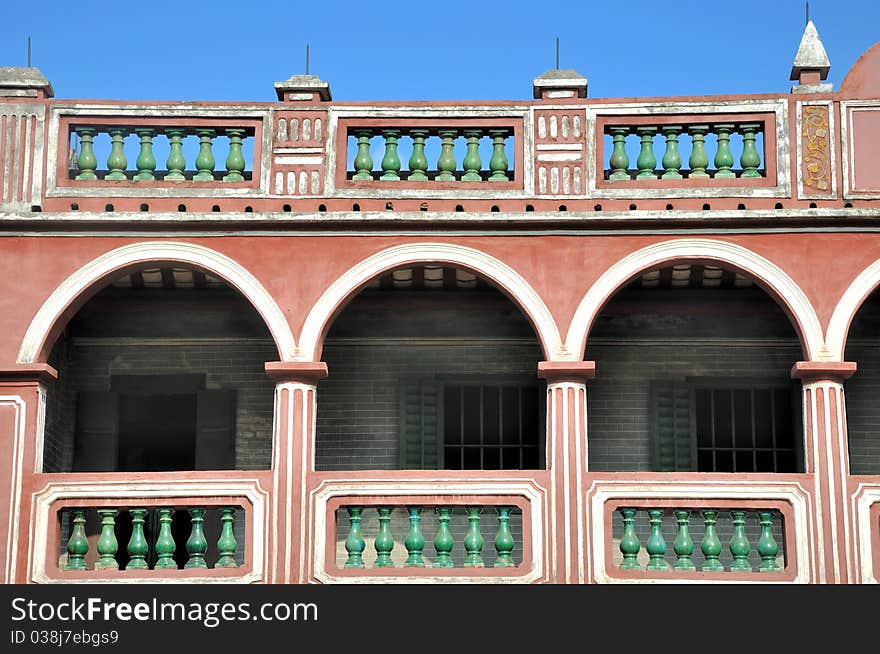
(673, 437)
(421, 432)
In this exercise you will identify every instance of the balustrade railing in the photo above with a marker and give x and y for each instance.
(693, 150)
(161, 539)
(189, 153)
(441, 537)
(706, 540)
(429, 154)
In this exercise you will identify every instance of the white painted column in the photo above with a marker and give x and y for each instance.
(568, 550)
(293, 458)
(826, 455)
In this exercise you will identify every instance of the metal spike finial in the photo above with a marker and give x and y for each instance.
(557, 53)
(307, 58)
(29, 52)
(808, 13)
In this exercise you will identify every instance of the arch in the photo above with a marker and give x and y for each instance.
(507, 279)
(849, 304)
(774, 280)
(76, 289)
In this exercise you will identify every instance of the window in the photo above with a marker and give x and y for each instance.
(471, 425)
(728, 425)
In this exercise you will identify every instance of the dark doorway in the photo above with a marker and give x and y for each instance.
(157, 432)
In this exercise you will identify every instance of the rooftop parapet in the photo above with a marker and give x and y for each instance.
(22, 82)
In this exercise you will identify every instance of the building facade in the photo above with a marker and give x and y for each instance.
(566, 340)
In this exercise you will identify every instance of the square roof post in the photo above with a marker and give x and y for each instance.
(558, 84)
(303, 88)
(25, 83)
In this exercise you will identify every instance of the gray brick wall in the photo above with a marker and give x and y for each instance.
(863, 409)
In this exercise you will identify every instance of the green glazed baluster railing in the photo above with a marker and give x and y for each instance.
(671, 157)
(391, 160)
(711, 545)
(196, 545)
(86, 161)
(235, 162)
(205, 159)
(739, 543)
(656, 545)
(176, 162)
(165, 545)
(418, 162)
(146, 160)
(619, 160)
(137, 544)
(355, 544)
(504, 542)
(498, 163)
(767, 547)
(443, 541)
(446, 162)
(723, 155)
(473, 540)
(683, 546)
(384, 542)
(415, 541)
(629, 542)
(77, 544)
(363, 162)
(116, 161)
(750, 159)
(698, 160)
(226, 542)
(647, 161)
(107, 545)
(472, 162)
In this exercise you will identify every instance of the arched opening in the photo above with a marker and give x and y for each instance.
(862, 409)
(693, 366)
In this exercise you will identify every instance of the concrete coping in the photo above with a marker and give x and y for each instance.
(17, 79)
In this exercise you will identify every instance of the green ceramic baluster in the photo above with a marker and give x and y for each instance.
(629, 542)
(767, 547)
(391, 160)
(226, 543)
(723, 156)
(415, 541)
(176, 162)
(107, 545)
(354, 544)
(656, 546)
(498, 161)
(504, 542)
(77, 544)
(711, 546)
(739, 543)
(363, 162)
(384, 542)
(671, 157)
(472, 162)
(165, 544)
(146, 161)
(205, 159)
(473, 540)
(683, 545)
(418, 162)
(446, 162)
(116, 161)
(443, 541)
(750, 159)
(647, 162)
(235, 159)
(137, 544)
(86, 161)
(196, 545)
(619, 160)
(699, 160)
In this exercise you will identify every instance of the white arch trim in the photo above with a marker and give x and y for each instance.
(493, 269)
(766, 272)
(847, 307)
(188, 253)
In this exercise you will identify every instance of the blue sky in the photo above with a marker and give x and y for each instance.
(221, 50)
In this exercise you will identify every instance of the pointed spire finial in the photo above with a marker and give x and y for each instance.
(811, 64)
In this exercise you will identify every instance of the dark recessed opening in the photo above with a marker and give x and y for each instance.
(181, 207)
(778, 205)
(36, 208)
(632, 207)
(74, 207)
(389, 206)
(847, 205)
(706, 207)
(597, 207)
(323, 207)
(215, 208)
(355, 207)
(423, 206)
(145, 206)
(494, 208)
(458, 207)
(669, 207)
(248, 209)
(562, 207)
(812, 205)
(108, 207)
(286, 208)
(530, 207)
(741, 206)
